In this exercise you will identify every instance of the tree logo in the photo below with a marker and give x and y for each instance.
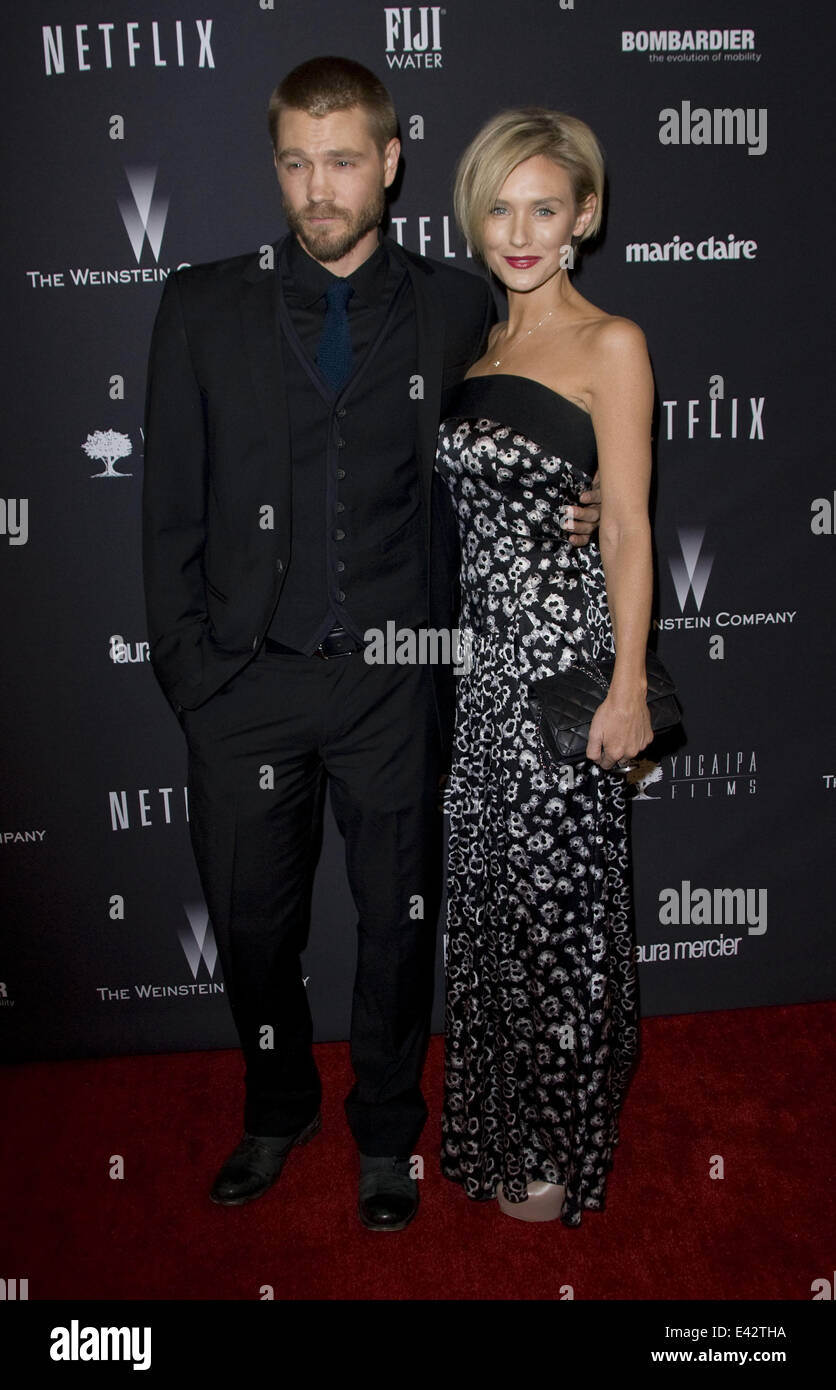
(106, 446)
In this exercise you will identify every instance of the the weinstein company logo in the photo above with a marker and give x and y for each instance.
(413, 36)
(690, 570)
(145, 216)
(198, 940)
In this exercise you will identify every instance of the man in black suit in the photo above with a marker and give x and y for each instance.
(289, 506)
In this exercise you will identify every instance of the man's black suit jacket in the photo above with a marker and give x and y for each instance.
(216, 493)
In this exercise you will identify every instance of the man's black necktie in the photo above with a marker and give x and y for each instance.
(333, 356)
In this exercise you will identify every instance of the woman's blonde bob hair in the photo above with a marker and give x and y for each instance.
(508, 139)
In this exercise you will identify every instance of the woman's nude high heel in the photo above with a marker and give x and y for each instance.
(544, 1203)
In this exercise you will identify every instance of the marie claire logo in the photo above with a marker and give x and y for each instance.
(106, 446)
(413, 36)
(679, 250)
(123, 653)
(92, 47)
(716, 125)
(692, 45)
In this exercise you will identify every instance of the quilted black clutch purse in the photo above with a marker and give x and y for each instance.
(564, 704)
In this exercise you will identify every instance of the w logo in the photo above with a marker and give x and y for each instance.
(198, 941)
(690, 573)
(144, 217)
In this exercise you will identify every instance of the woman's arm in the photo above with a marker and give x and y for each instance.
(622, 404)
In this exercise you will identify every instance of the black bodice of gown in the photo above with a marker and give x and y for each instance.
(561, 428)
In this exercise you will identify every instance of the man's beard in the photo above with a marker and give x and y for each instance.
(331, 244)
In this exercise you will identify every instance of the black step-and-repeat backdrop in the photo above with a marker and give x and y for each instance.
(136, 142)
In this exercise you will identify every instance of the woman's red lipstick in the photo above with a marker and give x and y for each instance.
(522, 262)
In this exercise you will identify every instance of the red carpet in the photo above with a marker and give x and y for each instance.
(752, 1085)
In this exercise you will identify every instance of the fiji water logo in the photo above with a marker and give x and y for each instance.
(413, 36)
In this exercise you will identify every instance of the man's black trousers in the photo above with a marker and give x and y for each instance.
(258, 753)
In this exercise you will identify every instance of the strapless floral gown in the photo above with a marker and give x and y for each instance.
(542, 1005)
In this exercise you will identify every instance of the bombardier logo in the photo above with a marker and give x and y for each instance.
(690, 572)
(144, 216)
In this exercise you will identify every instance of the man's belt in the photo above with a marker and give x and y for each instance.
(338, 642)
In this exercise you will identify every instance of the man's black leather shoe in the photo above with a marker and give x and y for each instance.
(256, 1163)
(388, 1195)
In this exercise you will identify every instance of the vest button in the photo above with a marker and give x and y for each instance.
(340, 472)
(339, 535)
(340, 595)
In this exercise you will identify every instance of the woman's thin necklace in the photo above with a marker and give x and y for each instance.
(498, 360)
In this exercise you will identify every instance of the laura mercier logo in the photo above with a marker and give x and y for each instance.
(123, 653)
(144, 216)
